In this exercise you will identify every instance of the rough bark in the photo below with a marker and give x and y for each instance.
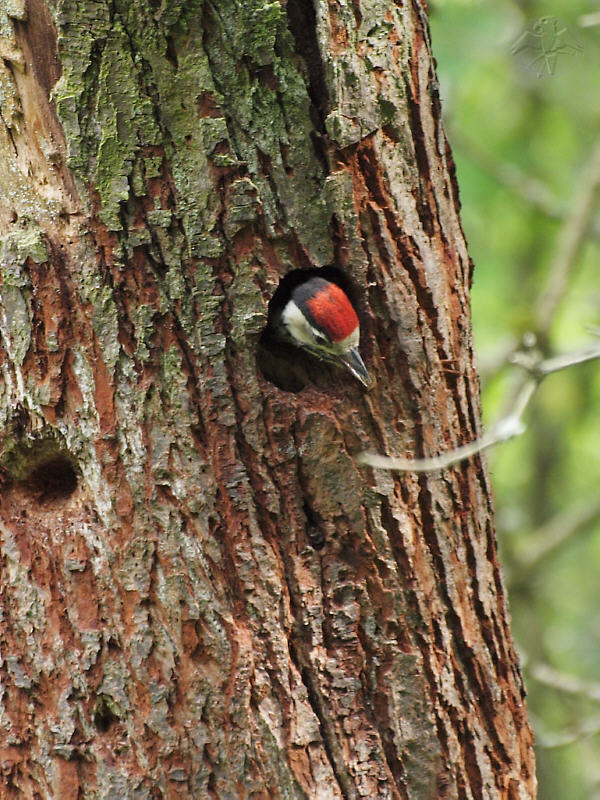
(202, 595)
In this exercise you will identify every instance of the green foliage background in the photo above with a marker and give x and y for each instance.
(523, 130)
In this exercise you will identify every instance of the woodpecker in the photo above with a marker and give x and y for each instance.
(319, 318)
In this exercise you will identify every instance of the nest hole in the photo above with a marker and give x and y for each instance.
(52, 479)
(287, 367)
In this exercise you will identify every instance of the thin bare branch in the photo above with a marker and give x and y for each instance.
(490, 363)
(552, 740)
(589, 20)
(564, 682)
(532, 364)
(506, 428)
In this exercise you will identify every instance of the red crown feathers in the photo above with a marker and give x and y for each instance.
(332, 311)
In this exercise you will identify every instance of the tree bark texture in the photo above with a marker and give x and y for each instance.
(202, 595)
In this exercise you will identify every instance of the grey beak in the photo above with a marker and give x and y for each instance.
(353, 361)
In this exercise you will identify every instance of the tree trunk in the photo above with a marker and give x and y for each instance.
(202, 594)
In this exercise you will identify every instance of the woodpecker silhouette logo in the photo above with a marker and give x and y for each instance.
(319, 317)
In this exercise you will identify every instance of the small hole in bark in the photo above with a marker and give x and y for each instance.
(315, 534)
(392, 133)
(285, 158)
(43, 468)
(266, 75)
(104, 717)
(171, 53)
(287, 367)
(54, 479)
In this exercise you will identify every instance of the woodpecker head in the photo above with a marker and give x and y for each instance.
(319, 318)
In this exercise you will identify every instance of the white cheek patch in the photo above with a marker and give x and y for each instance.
(297, 325)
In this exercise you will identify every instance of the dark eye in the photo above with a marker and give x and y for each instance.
(320, 338)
